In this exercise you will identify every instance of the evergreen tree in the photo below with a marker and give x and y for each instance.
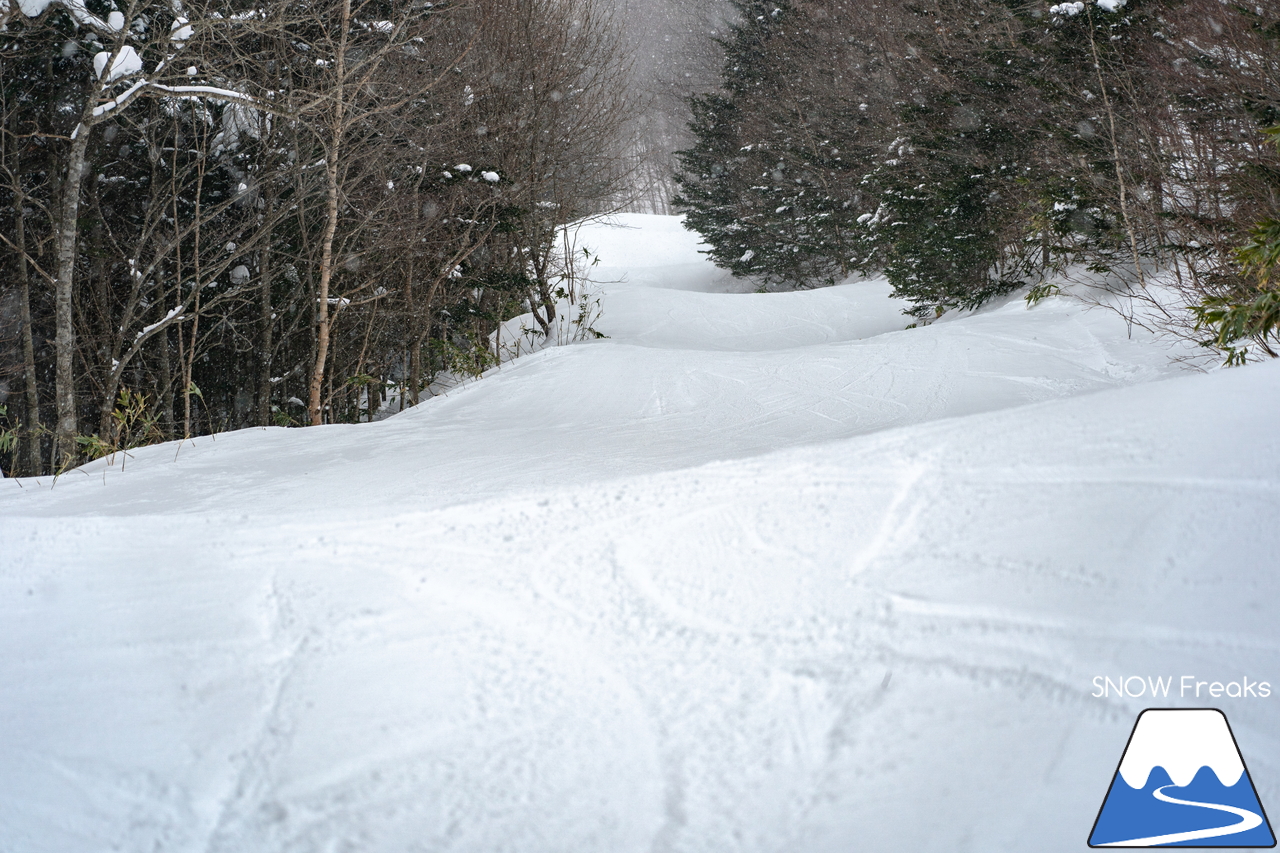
(758, 184)
(958, 183)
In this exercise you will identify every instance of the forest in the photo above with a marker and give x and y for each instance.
(241, 214)
(230, 214)
(969, 148)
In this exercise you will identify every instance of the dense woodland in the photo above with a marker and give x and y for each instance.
(238, 214)
(229, 214)
(968, 148)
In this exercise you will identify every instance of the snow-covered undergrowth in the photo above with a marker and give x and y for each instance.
(577, 299)
(758, 572)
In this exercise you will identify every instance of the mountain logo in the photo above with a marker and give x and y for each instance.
(1181, 783)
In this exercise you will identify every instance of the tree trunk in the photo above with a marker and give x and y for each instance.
(64, 437)
(31, 433)
(112, 387)
(266, 328)
(415, 370)
(32, 443)
(314, 407)
(165, 395)
(188, 367)
(1115, 153)
(539, 261)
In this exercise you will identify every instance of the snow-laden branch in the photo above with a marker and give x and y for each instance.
(174, 314)
(1070, 10)
(75, 8)
(208, 92)
(125, 61)
(115, 103)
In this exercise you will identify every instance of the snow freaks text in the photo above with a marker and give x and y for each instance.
(1184, 687)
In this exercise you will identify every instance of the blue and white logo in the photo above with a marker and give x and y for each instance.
(1182, 783)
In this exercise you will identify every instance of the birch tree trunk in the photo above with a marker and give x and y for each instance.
(1115, 154)
(266, 325)
(314, 407)
(64, 437)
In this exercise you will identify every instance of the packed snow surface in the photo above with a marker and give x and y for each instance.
(758, 572)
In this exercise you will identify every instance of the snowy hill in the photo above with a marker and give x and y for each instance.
(759, 572)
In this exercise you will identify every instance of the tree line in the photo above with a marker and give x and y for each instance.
(967, 148)
(234, 213)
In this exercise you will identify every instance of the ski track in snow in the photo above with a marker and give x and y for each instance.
(760, 572)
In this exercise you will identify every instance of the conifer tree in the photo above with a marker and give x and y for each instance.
(753, 184)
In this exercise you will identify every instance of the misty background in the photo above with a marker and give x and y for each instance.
(674, 52)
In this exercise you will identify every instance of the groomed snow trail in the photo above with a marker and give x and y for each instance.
(760, 572)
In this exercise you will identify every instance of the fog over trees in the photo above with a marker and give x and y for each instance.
(674, 54)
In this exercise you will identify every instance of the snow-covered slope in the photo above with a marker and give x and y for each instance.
(685, 377)
(760, 572)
